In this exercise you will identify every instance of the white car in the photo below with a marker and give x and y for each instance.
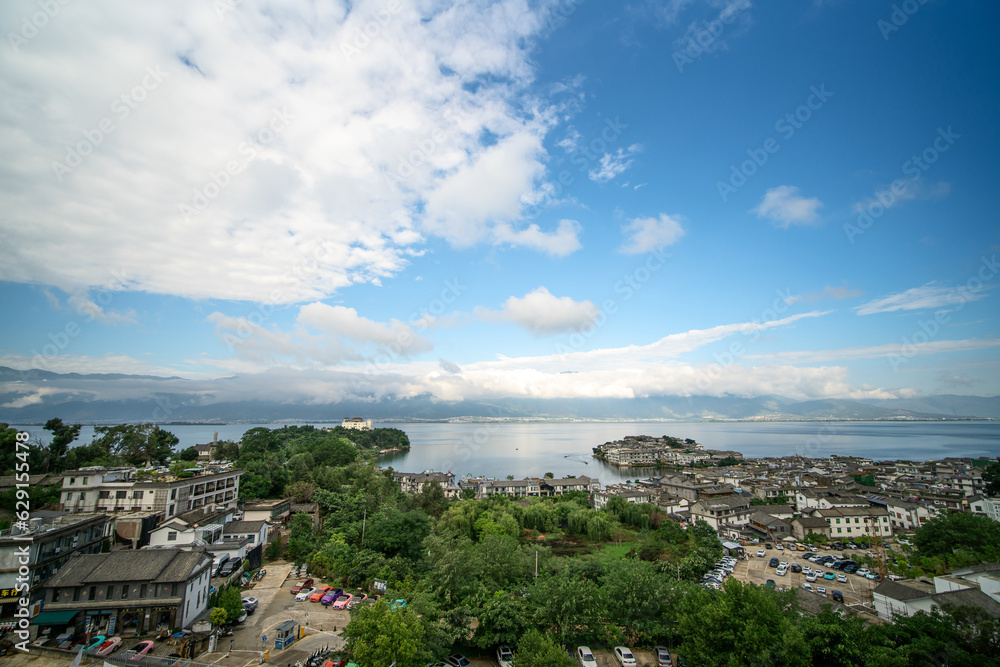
(779, 547)
(811, 577)
(304, 594)
(862, 572)
(505, 656)
(821, 590)
(807, 587)
(783, 563)
(781, 571)
(585, 656)
(624, 657)
(842, 578)
(761, 553)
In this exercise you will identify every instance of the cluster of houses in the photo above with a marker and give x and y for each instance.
(483, 487)
(647, 451)
(132, 552)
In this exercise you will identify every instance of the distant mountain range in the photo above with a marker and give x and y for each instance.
(36, 396)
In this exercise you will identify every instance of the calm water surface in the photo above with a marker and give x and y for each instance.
(522, 449)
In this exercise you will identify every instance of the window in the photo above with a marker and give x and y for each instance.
(172, 536)
(104, 495)
(55, 595)
(69, 497)
(250, 537)
(120, 494)
(82, 495)
(125, 592)
(173, 590)
(173, 494)
(85, 481)
(72, 481)
(76, 594)
(839, 530)
(92, 595)
(142, 591)
(111, 593)
(137, 494)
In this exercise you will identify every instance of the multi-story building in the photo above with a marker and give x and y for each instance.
(856, 522)
(44, 546)
(127, 592)
(97, 489)
(357, 424)
(728, 512)
(637, 496)
(908, 515)
(413, 482)
(556, 487)
(194, 527)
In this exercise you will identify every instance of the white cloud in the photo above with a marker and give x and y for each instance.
(563, 241)
(349, 154)
(541, 312)
(828, 292)
(614, 164)
(900, 191)
(919, 298)
(645, 234)
(784, 207)
(879, 351)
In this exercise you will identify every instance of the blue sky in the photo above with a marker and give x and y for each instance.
(483, 199)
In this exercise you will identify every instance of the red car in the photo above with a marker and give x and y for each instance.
(319, 593)
(305, 583)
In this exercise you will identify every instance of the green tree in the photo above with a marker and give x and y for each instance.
(538, 650)
(137, 444)
(218, 616)
(62, 436)
(232, 602)
(957, 532)
(728, 461)
(724, 628)
(991, 475)
(502, 620)
(300, 540)
(380, 635)
(300, 491)
(189, 454)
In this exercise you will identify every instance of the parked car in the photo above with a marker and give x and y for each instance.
(761, 553)
(305, 583)
(770, 584)
(811, 577)
(807, 587)
(624, 657)
(829, 575)
(330, 596)
(781, 571)
(821, 590)
(219, 563)
(842, 578)
(862, 571)
(767, 545)
(662, 656)
(141, 649)
(838, 596)
(795, 567)
(318, 593)
(773, 562)
(457, 660)
(779, 547)
(585, 657)
(342, 601)
(304, 594)
(357, 600)
(109, 646)
(505, 657)
(250, 604)
(95, 642)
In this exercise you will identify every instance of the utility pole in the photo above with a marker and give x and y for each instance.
(364, 520)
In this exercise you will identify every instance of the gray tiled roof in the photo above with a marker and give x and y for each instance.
(969, 597)
(152, 565)
(242, 527)
(908, 590)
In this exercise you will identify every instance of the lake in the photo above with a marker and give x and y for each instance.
(564, 448)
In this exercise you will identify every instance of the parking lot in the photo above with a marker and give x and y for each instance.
(756, 570)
